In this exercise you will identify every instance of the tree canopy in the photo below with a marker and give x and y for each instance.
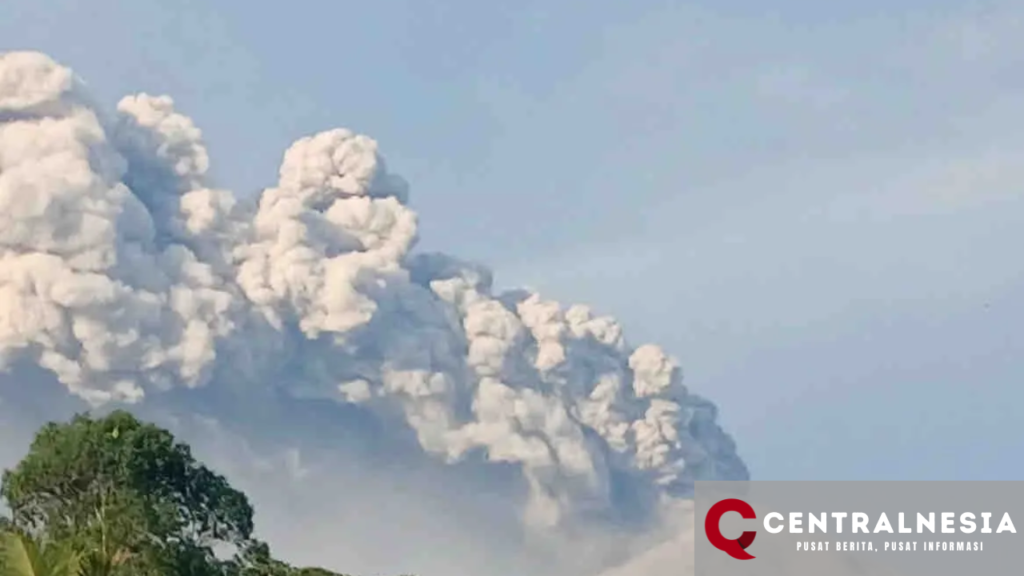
(116, 496)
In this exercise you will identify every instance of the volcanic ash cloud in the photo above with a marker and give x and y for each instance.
(128, 276)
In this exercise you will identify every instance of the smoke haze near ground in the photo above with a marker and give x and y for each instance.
(387, 410)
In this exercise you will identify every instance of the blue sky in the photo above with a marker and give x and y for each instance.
(817, 207)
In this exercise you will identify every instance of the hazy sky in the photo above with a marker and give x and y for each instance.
(818, 207)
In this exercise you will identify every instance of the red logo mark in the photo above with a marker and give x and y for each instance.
(736, 548)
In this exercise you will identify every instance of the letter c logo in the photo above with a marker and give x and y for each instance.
(736, 548)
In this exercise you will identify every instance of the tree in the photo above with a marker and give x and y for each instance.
(114, 496)
(127, 494)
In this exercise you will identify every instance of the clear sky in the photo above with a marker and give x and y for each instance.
(817, 206)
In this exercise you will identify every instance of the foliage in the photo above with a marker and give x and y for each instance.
(21, 555)
(115, 496)
(128, 492)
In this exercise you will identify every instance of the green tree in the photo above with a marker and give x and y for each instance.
(114, 496)
(128, 495)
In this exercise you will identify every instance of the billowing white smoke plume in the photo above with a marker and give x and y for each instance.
(128, 277)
